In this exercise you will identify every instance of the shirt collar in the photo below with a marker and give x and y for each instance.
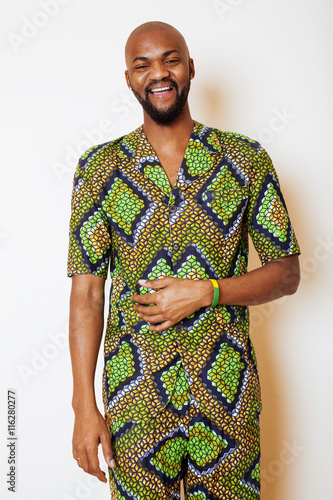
(136, 145)
(202, 152)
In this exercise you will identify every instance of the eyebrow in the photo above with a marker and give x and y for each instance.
(165, 54)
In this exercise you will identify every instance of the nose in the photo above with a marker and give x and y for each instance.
(158, 71)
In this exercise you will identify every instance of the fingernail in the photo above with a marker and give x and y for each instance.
(112, 464)
(142, 282)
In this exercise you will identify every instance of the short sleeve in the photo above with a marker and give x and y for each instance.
(268, 221)
(89, 235)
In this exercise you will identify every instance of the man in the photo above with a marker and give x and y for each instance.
(169, 207)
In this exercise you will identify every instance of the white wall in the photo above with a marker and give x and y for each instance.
(62, 84)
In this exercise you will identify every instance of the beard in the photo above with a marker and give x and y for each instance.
(169, 115)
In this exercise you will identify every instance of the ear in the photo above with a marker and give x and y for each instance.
(192, 69)
(128, 79)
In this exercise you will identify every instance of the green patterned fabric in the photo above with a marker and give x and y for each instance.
(127, 218)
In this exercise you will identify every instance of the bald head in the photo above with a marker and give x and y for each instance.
(159, 71)
(151, 31)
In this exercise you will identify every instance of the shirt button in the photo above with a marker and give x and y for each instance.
(179, 327)
(175, 247)
(172, 208)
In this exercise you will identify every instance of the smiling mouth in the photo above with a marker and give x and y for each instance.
(160, 90)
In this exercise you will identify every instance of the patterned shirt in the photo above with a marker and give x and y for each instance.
(126, 215)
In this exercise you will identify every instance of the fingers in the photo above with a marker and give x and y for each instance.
(148, 311)
(87, 459)
(163, 326)
(154, 285)
(143, 299)
(160, 283)
(89, 431)
(153, 319)
(93, 466)
(151, 314)
(173, 302)
(107, 449)
(81, 458)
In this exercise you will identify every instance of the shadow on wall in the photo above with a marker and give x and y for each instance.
(276, 421)
(274, 417)
(278, 454)
(212, 103)
(210, 106)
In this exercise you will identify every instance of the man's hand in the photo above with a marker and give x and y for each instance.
(90, 430)
(175, 299)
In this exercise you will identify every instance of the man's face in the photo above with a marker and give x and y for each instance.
(159, 72)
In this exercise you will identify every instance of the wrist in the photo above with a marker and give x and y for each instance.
(207, 293)
(82, 409)
(216, 289)
(82, 403)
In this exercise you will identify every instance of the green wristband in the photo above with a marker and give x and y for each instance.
(216, 293)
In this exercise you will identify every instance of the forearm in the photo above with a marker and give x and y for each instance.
(177, 298)
(85, 334)
(274, 280)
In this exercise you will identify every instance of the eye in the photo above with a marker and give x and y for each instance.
(141, 67)
(172, 61)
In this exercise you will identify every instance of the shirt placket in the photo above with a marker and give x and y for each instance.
(176, 248)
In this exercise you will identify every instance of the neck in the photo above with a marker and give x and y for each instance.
(177, 132)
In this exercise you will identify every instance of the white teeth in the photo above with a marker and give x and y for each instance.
(160, 90)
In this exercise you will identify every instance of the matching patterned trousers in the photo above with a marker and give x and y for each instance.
(153, 457)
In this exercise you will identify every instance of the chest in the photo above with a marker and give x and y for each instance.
(171, 161)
